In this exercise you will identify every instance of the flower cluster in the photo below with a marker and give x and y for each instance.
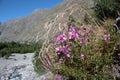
(73, 33)
(76, 50)
(65, 40)
(61, 38)
(64, 50)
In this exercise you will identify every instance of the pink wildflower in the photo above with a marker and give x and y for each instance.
(57, 77)
(73, 33)
(107, 37)
(58, 49)
(82, 55)
(62, 37)
(68, 55)
(84, 27)
(72, 29)
(84, 35)
(81, 41)
(63, 50)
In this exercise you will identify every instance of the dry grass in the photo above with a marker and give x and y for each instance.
(99, 32)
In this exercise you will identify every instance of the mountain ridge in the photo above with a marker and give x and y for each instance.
(32, 28)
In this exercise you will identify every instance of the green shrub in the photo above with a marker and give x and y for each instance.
(78, 53)
(106, 8)
(7, 48)
(38, 67)
(5, 51)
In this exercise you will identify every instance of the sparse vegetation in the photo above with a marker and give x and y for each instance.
(7, 48)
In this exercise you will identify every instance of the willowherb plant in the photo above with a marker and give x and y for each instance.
(68, 40)
(77, 54)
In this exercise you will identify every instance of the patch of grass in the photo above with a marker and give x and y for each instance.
(38, 67)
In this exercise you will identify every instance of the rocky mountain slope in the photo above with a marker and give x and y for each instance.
(33, 27)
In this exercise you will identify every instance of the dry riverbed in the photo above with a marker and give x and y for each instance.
(19, 67)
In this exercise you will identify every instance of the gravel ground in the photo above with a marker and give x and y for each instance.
(19, 67)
